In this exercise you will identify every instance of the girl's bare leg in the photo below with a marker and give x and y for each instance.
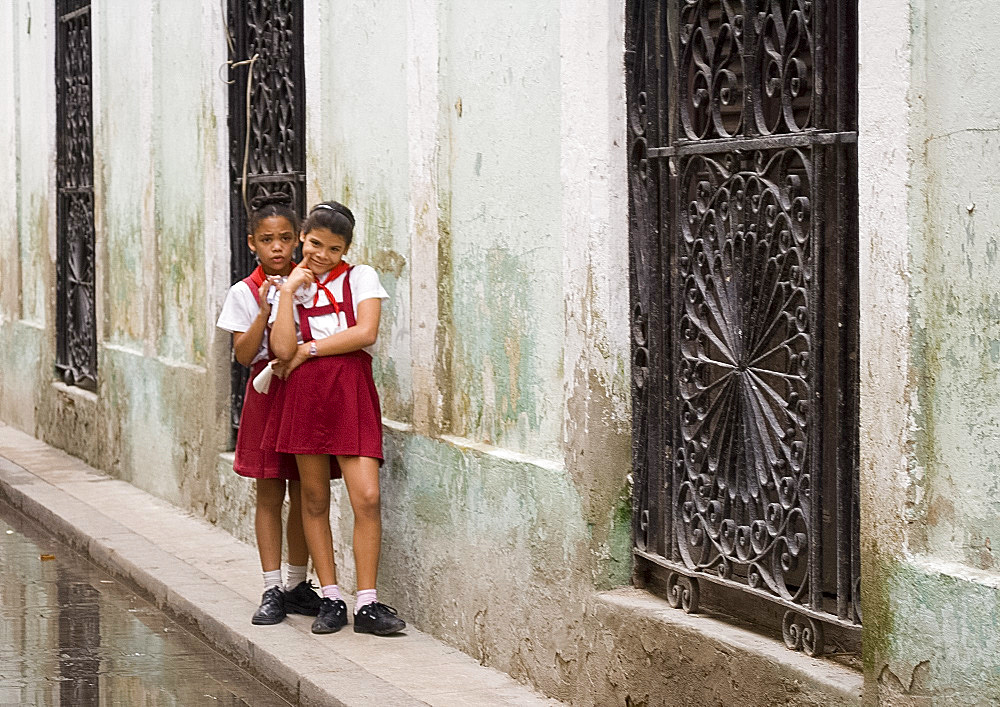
(361, 477)
(298, 552)
(314, 481)
(267, 522)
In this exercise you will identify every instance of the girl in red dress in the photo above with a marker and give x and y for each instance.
(273, 227)
(324, 322)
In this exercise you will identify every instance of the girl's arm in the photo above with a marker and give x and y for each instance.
(283, 339)
(284, 342)
(362, 334)
(246, 344)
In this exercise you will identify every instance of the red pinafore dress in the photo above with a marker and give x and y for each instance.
(251, 459)
(329, 404)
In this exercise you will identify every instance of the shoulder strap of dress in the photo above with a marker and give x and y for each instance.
(347, 299)
(254, 280)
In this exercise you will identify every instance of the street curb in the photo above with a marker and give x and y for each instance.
(307, 669)
(248, 654)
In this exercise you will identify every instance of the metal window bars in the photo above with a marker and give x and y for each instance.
(743, 218)
(76, 321)
(266, 125)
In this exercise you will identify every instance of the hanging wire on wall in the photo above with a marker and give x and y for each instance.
(230, 64)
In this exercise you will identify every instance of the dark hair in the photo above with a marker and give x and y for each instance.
(266, 205)
(334, 217)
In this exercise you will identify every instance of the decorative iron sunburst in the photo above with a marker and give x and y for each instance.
(744, 370)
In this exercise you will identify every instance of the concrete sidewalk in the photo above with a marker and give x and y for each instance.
(204, 575)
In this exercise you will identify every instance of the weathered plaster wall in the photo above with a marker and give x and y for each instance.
(596, 424)
(956, 302)
(500, 142)
(29, 238)
(162, 246)
(10, 264)
(930, 425)
(479, 145)
(356, 153)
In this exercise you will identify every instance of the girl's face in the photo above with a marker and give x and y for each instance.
(273, 242)
(324, 249)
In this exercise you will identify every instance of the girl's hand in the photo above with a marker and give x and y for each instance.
(301, 276)
(265, 287)
(283, 369)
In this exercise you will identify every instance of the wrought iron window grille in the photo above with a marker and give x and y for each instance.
(76, 321)
(266, 126)
(743, 217)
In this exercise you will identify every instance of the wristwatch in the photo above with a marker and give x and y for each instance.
(312, 348)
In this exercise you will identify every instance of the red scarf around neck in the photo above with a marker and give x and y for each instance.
(330, 277)
(257, 277)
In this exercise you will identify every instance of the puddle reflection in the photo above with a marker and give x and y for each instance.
(70, 634)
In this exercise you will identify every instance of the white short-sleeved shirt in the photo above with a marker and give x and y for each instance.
(364, 285)
(238, 312)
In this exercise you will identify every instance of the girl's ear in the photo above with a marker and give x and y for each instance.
(250, 242)
(302, 237)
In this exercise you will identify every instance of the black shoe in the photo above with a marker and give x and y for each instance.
(332, 616)
(378, 619)
(303, 599)
(271, 609)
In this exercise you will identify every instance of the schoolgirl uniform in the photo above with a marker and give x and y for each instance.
(251, 459)
(329, 404)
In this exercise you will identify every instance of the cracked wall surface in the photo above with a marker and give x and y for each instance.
(161, 247)
(930, 423)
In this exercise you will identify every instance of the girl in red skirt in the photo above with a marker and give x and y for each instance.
(323, 325)
(273, 227)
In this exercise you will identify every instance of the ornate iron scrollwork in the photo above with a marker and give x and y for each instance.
(743, 323)
(644, 180)
(745, 370)
(783, 89)
(269, 147)
(711, 86)
(803, 633)
(683, 592)
(76, 337)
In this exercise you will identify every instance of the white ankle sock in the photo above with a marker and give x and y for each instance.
(294, 575)
(272, 579)
(365, 597)
(331, 591)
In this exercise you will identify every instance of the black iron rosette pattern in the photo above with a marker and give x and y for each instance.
(744, 370)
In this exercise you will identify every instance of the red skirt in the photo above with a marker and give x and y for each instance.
(252, 459)
(329, 405)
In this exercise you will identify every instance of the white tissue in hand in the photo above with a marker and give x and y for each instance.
(262, 381)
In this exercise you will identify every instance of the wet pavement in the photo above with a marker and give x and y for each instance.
(71, 634)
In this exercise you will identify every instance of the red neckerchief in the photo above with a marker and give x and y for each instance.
(330, 277)
(257, 277)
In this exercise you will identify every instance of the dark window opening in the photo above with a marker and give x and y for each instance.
(743, 231)
(267, 137)
(76, 321)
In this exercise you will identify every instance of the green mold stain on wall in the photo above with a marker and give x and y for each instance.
(34, 258)
(445, 330)
(181, 288)
(615, 566)
(378, 251)
(494, 371)
(878, 624)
